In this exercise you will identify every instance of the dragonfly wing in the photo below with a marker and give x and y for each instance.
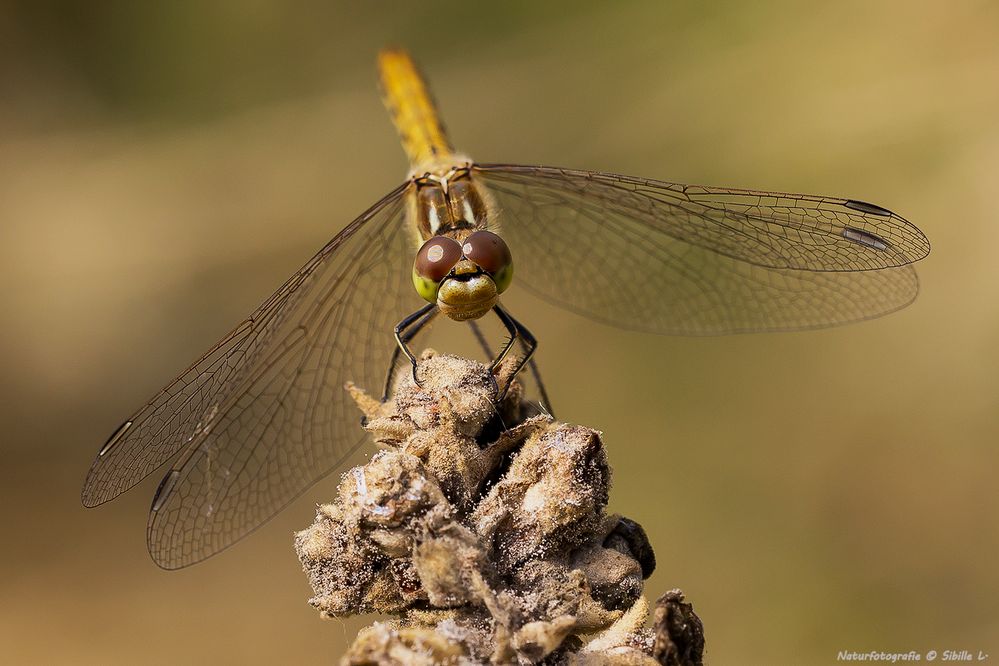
(264, 415)
(678, 259)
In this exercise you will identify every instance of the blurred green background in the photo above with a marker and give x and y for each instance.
(164, 166)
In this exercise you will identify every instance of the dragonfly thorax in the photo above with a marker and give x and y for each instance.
(448, 203)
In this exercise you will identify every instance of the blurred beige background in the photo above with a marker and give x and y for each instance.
(164, 167)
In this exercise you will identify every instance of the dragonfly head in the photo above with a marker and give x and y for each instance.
(463, 278)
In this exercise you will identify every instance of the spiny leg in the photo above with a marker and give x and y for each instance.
(405, 331)
(545, 400)
(411, 325)
(532, 364)
(517, 331)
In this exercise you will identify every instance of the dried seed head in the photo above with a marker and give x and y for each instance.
(485, 533)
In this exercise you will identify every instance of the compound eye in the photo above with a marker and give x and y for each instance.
(436, 258)
(487, 250)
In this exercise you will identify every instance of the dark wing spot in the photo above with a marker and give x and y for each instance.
(864, 238)
(163, 491)
(865, 207)
(114, 438)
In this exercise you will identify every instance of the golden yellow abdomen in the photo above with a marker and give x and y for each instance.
(413, 111)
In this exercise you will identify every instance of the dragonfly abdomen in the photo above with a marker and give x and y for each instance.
(414, 113)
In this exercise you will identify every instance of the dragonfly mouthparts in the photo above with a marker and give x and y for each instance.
(465, 270)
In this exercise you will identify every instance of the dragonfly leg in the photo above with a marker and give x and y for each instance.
(404, 331)
(532, 364)
(485, 346)
(545, 400)
(517, 332)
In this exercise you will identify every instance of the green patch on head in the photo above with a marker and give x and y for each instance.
(427, 289)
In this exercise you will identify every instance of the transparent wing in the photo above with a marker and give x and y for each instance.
(680, 259)
(263, 415)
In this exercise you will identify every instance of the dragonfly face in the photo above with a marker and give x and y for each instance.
(463, 273)
(263, 415)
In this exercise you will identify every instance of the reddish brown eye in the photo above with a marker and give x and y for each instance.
(487, 250)
(437, 257)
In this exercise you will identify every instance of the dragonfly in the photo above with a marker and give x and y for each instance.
(263, 415)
